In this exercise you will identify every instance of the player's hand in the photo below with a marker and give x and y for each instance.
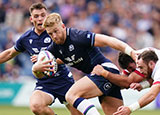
(42, 66)
(122, 110)
(136, 86)
(34, 58)
(98, 69)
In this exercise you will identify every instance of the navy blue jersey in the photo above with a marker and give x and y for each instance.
(56, 85)
(33, 44)
(78, 50)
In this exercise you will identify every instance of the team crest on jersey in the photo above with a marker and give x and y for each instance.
(47, 40)
(30, 41)
(71, 47)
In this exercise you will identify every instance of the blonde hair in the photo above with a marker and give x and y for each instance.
(52, 19)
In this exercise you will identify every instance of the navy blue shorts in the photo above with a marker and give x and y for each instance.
(108, 88)
(56, 86)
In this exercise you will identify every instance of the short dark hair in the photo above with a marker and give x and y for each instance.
(124, 60)
(38, 6)
(148, 55)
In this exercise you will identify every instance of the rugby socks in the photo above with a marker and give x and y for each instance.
(85, 107)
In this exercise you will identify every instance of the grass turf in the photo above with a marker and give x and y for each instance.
(12, 110)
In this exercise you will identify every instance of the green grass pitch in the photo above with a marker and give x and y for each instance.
(11, 110)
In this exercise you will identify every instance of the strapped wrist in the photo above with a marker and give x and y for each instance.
(145, 84)
(128, 50)
(134, 106)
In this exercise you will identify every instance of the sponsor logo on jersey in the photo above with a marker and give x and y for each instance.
(71, 60)
(71, 47)
(30, 41)
(60, 51)
(75, 62)
(88, 36)
(47, 40)
(107, 86)
(35, 50)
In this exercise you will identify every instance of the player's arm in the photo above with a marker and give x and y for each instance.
(120, 80)
(143, 101)
(104, 40)
(36, 71)
(8, 54)
(150, 95)
(141, 85)
(59, 61)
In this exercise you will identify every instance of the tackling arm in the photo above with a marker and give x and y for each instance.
(8, 54)
(143, 101)
(120, 80)
(124, 81)
(150, 96)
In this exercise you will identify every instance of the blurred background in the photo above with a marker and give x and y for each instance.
(136, 22)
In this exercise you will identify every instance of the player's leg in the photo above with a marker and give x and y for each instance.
(112, 98)
(110, 105)
(83, 88)
(73, 110)
(39, 102)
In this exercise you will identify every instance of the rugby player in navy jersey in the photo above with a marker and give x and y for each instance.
(78, 49)
(47, 89)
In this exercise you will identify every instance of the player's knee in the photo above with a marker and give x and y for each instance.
(36, 108)
(70, 97)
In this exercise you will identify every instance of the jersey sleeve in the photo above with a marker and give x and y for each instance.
(156, 73)
(19, 45)
(156, 78)
(139, 73)
(86, 38)
(125, 72)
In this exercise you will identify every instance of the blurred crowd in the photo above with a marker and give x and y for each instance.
(136, 22)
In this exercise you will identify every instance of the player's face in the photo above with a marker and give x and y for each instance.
(57, 33)
(131, 67)
(144, 68)
(37, 18)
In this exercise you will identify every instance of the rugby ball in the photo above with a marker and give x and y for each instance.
(48, 56)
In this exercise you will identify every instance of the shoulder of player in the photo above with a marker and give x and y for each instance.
(156, 70)
(138, 73)
(27, 33)
(77, 32)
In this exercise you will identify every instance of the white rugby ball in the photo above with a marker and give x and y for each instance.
(48, 56)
